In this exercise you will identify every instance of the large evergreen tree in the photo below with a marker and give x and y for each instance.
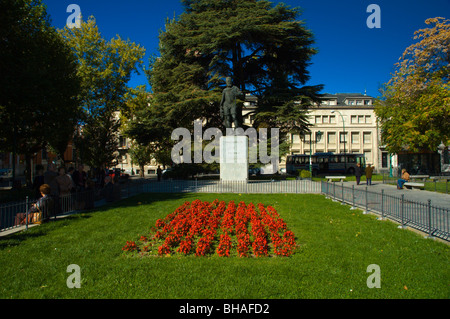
(264, 47)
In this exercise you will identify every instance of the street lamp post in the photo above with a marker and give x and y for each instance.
(343, 127)
(319, 134)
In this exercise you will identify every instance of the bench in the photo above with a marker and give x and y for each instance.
(410, 185)
(422, 177)
(331, 178)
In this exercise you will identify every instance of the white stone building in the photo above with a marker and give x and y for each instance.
(343, 123)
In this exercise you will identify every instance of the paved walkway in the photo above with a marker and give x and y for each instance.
(437, 199)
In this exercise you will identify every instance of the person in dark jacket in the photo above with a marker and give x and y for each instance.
(358, 173)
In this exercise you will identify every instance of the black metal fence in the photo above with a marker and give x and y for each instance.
(432, 220)
(252, 187)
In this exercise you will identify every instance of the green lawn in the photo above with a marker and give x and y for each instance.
(336, 247)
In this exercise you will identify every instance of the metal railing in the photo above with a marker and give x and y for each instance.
(251, 187)
(423, 216)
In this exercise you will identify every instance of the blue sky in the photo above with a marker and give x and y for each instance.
(352, 57)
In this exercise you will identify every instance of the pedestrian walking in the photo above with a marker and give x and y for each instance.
(369, 171)
(358, 173)
(159, 173)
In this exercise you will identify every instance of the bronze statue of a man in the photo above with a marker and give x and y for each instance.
(228, 107)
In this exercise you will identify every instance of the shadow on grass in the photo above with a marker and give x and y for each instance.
(17, 238)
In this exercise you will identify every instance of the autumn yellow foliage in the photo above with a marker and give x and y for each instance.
(415, 107)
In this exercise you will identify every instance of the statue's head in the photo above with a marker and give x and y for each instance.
(228, 81)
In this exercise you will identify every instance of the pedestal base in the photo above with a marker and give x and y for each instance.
(234, 158)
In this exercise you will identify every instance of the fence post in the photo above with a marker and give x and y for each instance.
(26, 213)
(429, 220)
(342, 185)
(353, 198)
(334, 192)
(382, 204)
(402, 208)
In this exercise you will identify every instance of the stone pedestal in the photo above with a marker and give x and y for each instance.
(234, 158)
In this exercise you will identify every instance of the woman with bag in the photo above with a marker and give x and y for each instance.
(39, 210)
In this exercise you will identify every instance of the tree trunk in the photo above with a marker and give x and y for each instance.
(141, 171)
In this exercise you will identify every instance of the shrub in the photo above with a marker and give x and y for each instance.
(305, 174)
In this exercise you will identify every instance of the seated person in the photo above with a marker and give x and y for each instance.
(42, 206)
(403, 179)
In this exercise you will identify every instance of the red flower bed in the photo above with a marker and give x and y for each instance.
(201, 228)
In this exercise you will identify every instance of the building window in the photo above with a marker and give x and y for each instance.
(325, 119)
(122, 142)
(318, 119)
(368, 119)
(360, 119)
(332, 119)
(319, 138)
(359, 102)
(351, 102)
(355, 137)
(384, 160)
(295, 138)
(446, 156)
(331, 138)
(354, 119)
(367, 102)
(343, 137)
(368, 156)
(367, 138)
